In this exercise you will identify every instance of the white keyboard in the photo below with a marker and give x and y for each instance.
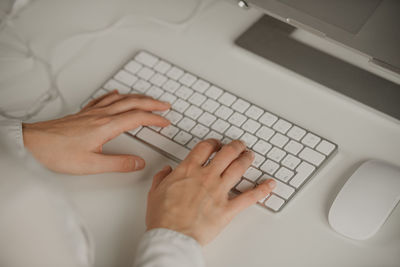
(284, 151)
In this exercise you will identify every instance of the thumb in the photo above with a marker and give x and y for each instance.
(160, 176)
(116, 163)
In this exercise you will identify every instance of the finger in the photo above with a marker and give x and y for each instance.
(132, 119)
(235, 171)
(226, 155)
(96, 100)
(100, 163)
(202, 151)
(160, 176)
(250, 197)
(108, 100)
(130, 103)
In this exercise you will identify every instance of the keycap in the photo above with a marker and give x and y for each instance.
(207, 119)
(223, 112)
(175, 73)
(279, 140)
(311, 140)
(252, 174)
(133, 66)
(182, 137)
(186, 124)
(188, 79)
(293, 147)
(145, 73)
(126, 78)
(274, 202)
(282, 126)
(210, 105)
(213, 135)
(237, 119)
(162, 67)
(304, 170)
(234, 132)
(163, 143)
(269, 167)
(200, 86)
(251, 126)
(296, 133)
(180, 105)
(113, 84)
(199, 130)
(325, 147)
(281, 189)
(170, 131)
(154, 92)
(193, 112)
(244, 185)
(265, 133)
(214, 92)
(146, 59)
(312, 156)
(197, 99)
(254, 112)
(291, 161)
(167, 97)
(158, 79)
(141, 86)
(262, 147)
(268, 119)
(276, 154)
(258, 160)
(220, 126)
(227, 99)
(284, 174)
(173, 117)
(171, 86)
(184, 92)
(240, 105)
(248, 139)
(193, 142)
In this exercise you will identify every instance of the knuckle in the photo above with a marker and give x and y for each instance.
(127, 164)
(101, 120)
(205, 145)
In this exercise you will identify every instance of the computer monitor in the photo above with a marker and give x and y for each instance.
(369, 27)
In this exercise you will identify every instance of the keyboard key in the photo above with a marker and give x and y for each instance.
(258, 160)
(284, 174)
(227, 99)
(268, 119)
(279, 140)
(207, 119)
(244, 185)
(283, 190)
(175, 73)
(186, 124)
(276, 154)
(210, 105)
(184, 92)
(234, 132)
(214, 92)
(254, 112)
(197, 99)
(296, 133)
(145, 73)
(113, 84)
(188, 79)
(293, 147)
(126, 78)
(167, 97)
(291, 161)
(170, 131)
(214, 135)
(99, 93)
(325, 147)
(252, 174)
(158, 79)
(199, 130)
(133, 67)
(311, 140)
(146, 59)
(220, 126)
(312, 156)
(248, 139)
(182, 137)
(282, 126)
(200, 86)
(171, 86)
(251, 126)
(162, 67)
(226, 141)
(237, 119)
(262, 147)
(155, 92)
(223, 112)
(269, 167)
(304, 170)
(180, 105)
(265, 133)
(240, 105)
(193, 112)
(274, 202)
(163, 143)
(193, 142)
(173, 116)
(141, 86)
(135, 131)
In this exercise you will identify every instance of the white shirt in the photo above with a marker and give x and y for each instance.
(157, 248)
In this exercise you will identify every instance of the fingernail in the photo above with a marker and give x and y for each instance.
(139, 164)
(271, 183)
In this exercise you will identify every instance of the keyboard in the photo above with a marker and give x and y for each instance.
(283, 150)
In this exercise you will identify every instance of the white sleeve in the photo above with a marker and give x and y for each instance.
(166, 248)
(11, 135)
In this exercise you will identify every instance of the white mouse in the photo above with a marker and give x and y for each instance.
(366, 200)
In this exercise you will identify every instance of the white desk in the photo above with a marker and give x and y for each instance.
(113, 205)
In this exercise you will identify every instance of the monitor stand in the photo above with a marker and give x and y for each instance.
(270, 38)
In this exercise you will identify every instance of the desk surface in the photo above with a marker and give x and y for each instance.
(113, 205)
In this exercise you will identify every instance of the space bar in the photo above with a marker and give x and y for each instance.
(163, 143)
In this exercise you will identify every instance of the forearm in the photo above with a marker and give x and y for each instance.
(164, 248)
